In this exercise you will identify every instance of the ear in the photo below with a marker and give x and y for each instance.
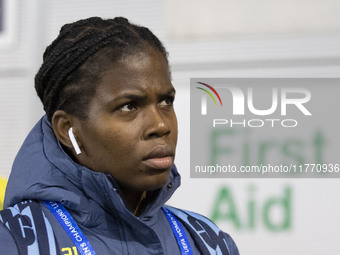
(61, 123)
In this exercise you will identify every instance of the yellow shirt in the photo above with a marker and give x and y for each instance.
(3, 183)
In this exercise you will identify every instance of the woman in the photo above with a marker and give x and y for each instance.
(93, 175)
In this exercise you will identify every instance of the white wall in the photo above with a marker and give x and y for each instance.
(229, 18)
(205, 39)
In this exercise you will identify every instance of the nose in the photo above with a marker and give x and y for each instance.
(156, 124)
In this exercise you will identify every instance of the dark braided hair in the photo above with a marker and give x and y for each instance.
(75, 60)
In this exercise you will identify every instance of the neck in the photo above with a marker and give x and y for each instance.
(134, 200)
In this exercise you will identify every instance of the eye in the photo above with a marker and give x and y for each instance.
(167, 101)
(128, 107)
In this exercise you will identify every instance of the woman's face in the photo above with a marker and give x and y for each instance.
(131, 129)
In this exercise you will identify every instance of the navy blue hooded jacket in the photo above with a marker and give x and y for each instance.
(43, 171)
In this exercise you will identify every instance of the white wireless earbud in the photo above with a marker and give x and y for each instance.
(74, 141)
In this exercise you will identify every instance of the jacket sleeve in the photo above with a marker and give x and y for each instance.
(24, 230)
(208, 237)
(233, 250)
(7, 242)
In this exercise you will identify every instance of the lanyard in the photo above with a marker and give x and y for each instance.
(179, 233)
(83, 245)
(70, 226)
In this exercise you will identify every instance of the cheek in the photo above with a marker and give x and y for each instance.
(119, 142)
(113, 153)
(175, 126)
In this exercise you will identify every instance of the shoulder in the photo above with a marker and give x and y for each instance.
(211, 239)
(27, 228)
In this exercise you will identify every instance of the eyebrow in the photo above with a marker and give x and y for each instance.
(136, 97)
(168, 93)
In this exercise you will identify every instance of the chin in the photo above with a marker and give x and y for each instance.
(156, 182)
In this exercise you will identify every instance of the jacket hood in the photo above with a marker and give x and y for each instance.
(43, 171)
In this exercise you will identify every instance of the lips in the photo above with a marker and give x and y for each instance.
(160, 157)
